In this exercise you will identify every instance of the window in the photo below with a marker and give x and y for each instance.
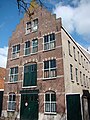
(49, 41)
(69, 48)
(74, 53)
(15, 51)
(13, 74)
(50, 68)
(27, 48)
(87, 81)
(84, 80)
(34, 46)
(78, 57)
(71, 71)
(35, 25)
(50, 102)
(31, 26)
(81, 78)
(30, 75)
(76, 71)
(11, 102)
(82, 60)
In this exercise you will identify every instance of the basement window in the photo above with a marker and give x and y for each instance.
(50, 102)
(11, 103)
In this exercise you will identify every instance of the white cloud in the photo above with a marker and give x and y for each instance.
(3, 56)
(75, 18)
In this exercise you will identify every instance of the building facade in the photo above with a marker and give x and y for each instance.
(2, 79)
(46, 71)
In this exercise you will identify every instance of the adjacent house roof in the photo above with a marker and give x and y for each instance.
(2, 77)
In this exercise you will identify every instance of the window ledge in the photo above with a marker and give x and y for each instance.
(33, 31)
(14, 58)
(12, 82)
(48, 50)
(72, 81)
(29, 87)
(49, 78)
(26, 55)
(11, 110)
(50, 113)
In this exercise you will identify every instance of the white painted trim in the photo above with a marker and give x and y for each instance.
(1, 89)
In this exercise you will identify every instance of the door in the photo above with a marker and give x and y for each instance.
(1, 101)
(29, 107)
(73, 107)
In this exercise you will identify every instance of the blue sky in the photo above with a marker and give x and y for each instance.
(75, 17)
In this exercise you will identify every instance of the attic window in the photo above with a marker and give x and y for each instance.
(32, 26)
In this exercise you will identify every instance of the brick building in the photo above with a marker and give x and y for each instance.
(2, 78)
(48, 73)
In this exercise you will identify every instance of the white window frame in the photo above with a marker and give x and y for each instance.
(33, 26)
(49, 43)
(11, 103)
(26, 49)
(76, 74)
(71, 72)
(81, 78)
(49, 70)
(69, 48)
(12, 76)
(15, 54)
(49, 102)
(36, 46)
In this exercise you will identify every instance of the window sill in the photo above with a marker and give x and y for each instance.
(26, 55)
(33, 31)
(29, 87)
(14, 58)
(48, 50)
(13, 82)
(11, 110)
(49, 78)
(72, 81)
(50, 113)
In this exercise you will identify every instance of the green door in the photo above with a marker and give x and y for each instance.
(73, 107)
(29, 107)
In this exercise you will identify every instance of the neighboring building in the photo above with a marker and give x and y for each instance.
(2, 78)
(48, 74)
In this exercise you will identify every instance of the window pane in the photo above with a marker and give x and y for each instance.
(53, 107)
(28, 25)
(18, 47)
(27, 44)
(52, 63)
(16, 70)
(53, 97)
(46, 64)
(47, 107)
(46, 39)
(47, 97)
(52, 36)
(14, 48)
